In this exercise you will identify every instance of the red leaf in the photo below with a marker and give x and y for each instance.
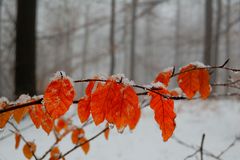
(59, 96)
(55, 153)
(28, 149)
(47, 123)
(164, 112)
(164, 77)
(204, 83)
(102, 100)
(106, 133)
(4, 117)
(77, 134)
(17, 140)
(188, 80)
(36, 113)
(84, 104)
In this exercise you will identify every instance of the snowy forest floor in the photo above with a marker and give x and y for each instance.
(218, 119)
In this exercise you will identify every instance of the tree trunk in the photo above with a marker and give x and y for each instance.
(133, 39)
(25, 63)
(112, 37)
(208, 32)
(177, 34)
(227, 37)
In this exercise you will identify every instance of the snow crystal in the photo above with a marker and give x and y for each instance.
(124, 80)
(199, 64)
(178, 90)
(4, 100)
(37, 97)
(61, 74)
(158, 85)
(168, 69)
(23, 98)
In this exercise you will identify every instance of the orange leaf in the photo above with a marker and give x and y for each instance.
(47, 123)
(17, 140)
(59, 96)
(85, 146)
(77, 134)
(102, 100)
(84, 103)
(4, 117)
(28, 149)
(18, 114)
(164, 77)
(55, 153)
(36, 113)
(164, 113)
(106, 133)
(204, 83)
(188, 80)
(125, 110)
(61, 124)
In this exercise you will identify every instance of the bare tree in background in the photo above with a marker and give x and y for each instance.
(217, 38)
(133, 39)
(1, 63)
(208, 32)
(112, 37)
(227, 35)
(25, 63)
(177, 33)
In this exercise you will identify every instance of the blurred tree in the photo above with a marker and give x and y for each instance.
(227, 37)
(133, 39)
(112, 37)
(208, 32)
(25, 62)
(177, 34)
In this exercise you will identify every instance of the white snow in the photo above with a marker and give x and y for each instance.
(218, 119)
(3, 100)
(59, 75)
(23, 98)
(158, 85)
(199, 64)
(124, 80)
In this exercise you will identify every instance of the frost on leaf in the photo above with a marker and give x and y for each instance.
(36, 113)
(191, 80)
(59, 95)
(164, 112)
(28, 149)
(4, 117)
(164, 77)
(84, 103)
(18, 114)
(117, 103)
(55, 153)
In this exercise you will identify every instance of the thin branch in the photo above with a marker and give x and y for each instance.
(18, 131)
(81, 144)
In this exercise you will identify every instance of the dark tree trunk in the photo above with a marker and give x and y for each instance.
(208, 32)
(133, 39)
(112, 37)
(25, 78)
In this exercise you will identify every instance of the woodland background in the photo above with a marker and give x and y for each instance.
(84, 38)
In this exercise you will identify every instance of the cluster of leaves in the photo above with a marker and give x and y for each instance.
(112, 100)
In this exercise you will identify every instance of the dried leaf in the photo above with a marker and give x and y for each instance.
(59, 96)
(28, 149)
(102, 100)
(106, 133)
(47, 123)
(4, 117)
(164, 112)
(164, 77)
(36, 113)
(17, 140)
(188, 80)
(77, 134)
(204, 80)
(18, 114)
(86, 146)
(55, 153)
